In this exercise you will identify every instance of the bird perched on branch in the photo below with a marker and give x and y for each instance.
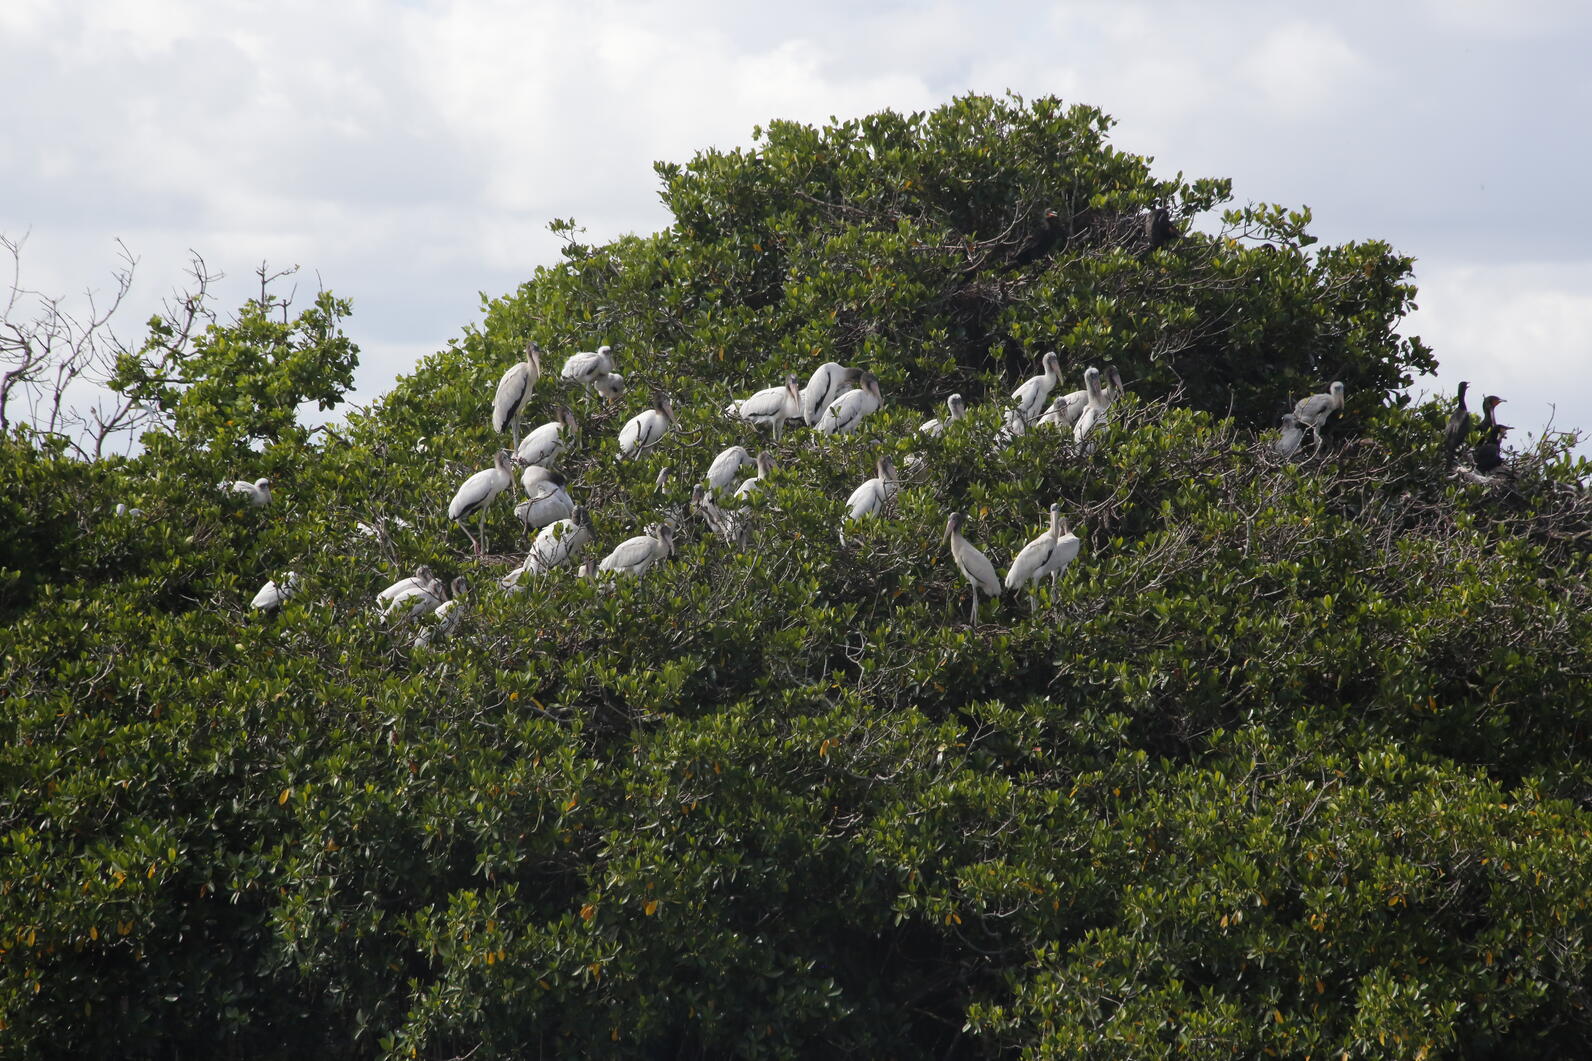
(1094, 409)
(1047, 555)
(273, 593)
(869, 498)
(543, 445)
(1489, 454)
(1030, 397)
(973, 564)
(828, 382)
(587, 366)
(514, 389)
(842, 415)
(956, 408)
(771, 406)
(1293, 433)
(258, 492)
(1458, 427)
(644, 430)
(1312, 412)
(634, 556)
(476, 493)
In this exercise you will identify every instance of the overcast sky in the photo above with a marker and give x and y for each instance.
(411, 153)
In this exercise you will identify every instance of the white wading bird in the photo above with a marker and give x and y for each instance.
(476, 493)
(771, 406)
(842, 415)
(956, 408)
(1293, 433)
(446, 616)
(585, 367)
(554, 547)
(421, 581)
(634, 556)
(1094, 409)
(869, 498)
(514, 389)
(1312, 412)
(1031, 396)
(258, 492)
(1113, 388)
(973, 564)
(754, 483)
(725, 467)
(611, 385)
(546, 502)
(642, 431)
(727, 525)
(1048, 554)
(828, 382)
(544, 444)
(273, 593)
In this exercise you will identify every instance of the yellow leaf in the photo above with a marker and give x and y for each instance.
(93, 933)
(513, 697)
(287, 794)
(1321, 988)
(588, 912)
(651, 907)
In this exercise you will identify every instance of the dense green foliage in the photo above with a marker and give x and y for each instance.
(1294, 761)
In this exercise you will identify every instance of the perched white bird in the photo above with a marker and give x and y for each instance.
(1048, 554)
(1013, 427)
(514, 389)
(771, 406)
(546, 502)
(869, 498)
(730, 526)
(1293, 433)
(445, 619)
(754, 483)
(544, 444)
(586, 366)
(842, 415)
(1030, 397)
(421, 580)
(956, 408)
(973, 564)
(611, 385)
(1312, 412)
(130, 513)
(476, 493)
(531, 476)
(828, 382)
(1059, 414)
(258, 492)
(634, 556)
(273, 593)
(1113, 388)
(555, 546)
(1094, 409)
(725, 467)
(642, 431)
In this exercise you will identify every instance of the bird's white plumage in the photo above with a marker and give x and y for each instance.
(754, 483)
(828, 382)
(419, 580)
(477, 492)
(634, 556)
(514, 388)
(725, 467)
(972, 562)
(1290, 437)
(611, 385)
(1047, 555)
(1030, 397)
(842, 415)
(273, 593)
(956, 408)
(544, 444)
(257, 493)
(869, 499)
(644, 430)
(547, 503)
(1094, 407)
(584, 367)
(772, 406)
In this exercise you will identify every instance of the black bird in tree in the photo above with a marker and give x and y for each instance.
(1458, 427)
(1158, 228)
(1487, 455)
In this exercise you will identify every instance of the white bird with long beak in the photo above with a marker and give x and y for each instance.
(421, 581)
(1049, 554)
(725, 467)
(973, 564)
(1030, 397)
(842, 415)
(1094, 409)
(771, 406)
(258, 492)
(476, 493)
(546, 502)
(1293, 433)
(611, 385)
(634, 556)
(445, 619)
(956, 408)
(1113, 388)
(644, 430)
(587, 365)
(869, 499)
(727, 525)
(1312, 412)
(555, 546)
(514, 389)
(753, 483)
(273, 593)
(828, 382)
(543, 445)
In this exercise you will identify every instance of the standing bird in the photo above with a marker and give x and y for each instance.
(514, 389)
(634, 556)
(973, 564)
(558, 543)
(722, 472)
(1032, 394)
(1488, 454)
(1094, 409)
(828, 382)
(611, 385)
(1048, 554)
(869, 498)
(273, 593)
(546, 502)
(1458, 428)
(956, 408)
(257, 492)
(727, 525)
(544, 444)
(754, 483)
(476, 493)
(585, 367)
(771, 406)
(842, 415)
(1293, 433)
(1312, 412)
(642, 431)
(1114, 388)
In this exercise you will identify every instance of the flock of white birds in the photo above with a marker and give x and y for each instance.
(835, 401)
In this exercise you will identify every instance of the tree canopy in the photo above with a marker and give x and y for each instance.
(1293, 760)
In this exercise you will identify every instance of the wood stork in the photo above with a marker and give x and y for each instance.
(611, 385)
(828, 382)
(1113, 388)
(771, 406)
(560, 542)
(727, 525)
(1030, 397)
(476, 493)
(122, 510)
(725, 467)
(273, 593)
(1094, 409)
(532, 476)
(1458, 427)
(869, 498)
(421, 580)
(1312, 412)
(1488, 454)
(1293, 433)
(642, 431)
(257, 493)
(546, 502)
(842, 415)
(634, 556)
(445, 619)
(544, 444)
(955, 410)
(514, 389)
(973, 564)
(754, 483)
(1065, 411)
(586, 366)
(1049, 554)
(1013, 427)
